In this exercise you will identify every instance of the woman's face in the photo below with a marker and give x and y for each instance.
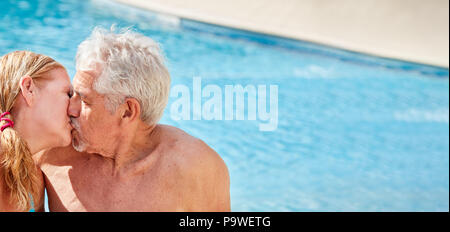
(51, 110)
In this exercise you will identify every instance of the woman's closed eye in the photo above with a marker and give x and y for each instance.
(70, 93)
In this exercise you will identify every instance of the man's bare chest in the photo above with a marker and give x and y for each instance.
(82, 188)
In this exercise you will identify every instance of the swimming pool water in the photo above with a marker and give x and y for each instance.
(355, 132)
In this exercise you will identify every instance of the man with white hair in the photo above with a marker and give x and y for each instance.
(120, 158)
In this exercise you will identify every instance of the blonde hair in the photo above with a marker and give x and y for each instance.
(132, 65)
(18, 166)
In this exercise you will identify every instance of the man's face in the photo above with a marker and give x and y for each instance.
(96, 130)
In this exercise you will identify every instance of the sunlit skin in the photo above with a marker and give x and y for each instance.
(41, 118)
(95, 127)
(127, 165)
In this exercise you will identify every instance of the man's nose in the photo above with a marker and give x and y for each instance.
(74, 107)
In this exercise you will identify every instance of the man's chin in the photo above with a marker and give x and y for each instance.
(77, 145)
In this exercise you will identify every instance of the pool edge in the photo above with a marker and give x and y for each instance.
(232, 24)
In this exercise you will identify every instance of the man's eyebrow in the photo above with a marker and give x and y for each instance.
(80, 94)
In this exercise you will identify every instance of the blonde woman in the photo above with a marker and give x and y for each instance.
(35, 94)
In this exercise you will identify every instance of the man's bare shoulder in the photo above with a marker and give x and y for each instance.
(202, 172)
(189, 151)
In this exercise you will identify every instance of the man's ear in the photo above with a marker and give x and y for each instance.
(28, 89)
(132, 109)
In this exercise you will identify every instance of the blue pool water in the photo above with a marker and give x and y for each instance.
(355, 133)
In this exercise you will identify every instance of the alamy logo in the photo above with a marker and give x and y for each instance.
(220, 103)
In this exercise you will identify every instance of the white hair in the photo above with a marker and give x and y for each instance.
(131, 65)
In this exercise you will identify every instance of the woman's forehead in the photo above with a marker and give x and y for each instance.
(59, 77)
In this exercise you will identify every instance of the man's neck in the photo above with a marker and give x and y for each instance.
(134, 149)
